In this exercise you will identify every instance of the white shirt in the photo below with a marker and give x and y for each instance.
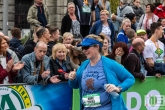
(151, 51)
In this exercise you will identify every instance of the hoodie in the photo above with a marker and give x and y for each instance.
(16, 43)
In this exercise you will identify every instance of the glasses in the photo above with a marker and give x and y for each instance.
(70, 7)
(86, 47)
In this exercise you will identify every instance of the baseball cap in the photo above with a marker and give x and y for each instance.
(140, 32)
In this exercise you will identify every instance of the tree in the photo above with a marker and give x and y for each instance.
(114, 5)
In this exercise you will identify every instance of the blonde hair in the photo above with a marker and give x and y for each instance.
(126, 20)
(67, 34)
(56, 47)
(71, 3)
(107, 13)
(103, 36)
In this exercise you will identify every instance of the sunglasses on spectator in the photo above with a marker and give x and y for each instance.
(86, 47)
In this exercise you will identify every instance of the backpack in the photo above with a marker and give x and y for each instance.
(17, 52)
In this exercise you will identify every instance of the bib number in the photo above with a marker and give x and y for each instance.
(91, 100)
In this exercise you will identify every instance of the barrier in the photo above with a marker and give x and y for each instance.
(36, 97)
(147, 95)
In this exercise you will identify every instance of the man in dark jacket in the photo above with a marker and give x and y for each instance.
(15, 42)
(135, 62)
(55, 34)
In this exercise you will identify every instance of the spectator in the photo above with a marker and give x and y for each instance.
(38, 15)
(119, 52)
(105, 49)
(67, 38)
(132, 18)
(15, 42)
(98, 8)
(147, 19)
(137, 9)
(30, 44)
(13, 54)
(154, 49)
(131, 35)
(94, 73)
(135, 62)
(122, 10)
(37, 67)
(142, 34)
(121, 37)
(44, 36)
(105, 4)
(59, 62)
(104, 25)
(54, 38)
(70, 22)
(162, 21)
(160, 10)
(85, 10)
(76, 56)
(8, 70)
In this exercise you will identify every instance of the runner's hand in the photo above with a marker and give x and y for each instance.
(72, 75)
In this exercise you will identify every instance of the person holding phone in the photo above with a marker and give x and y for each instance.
(119, 52)
(94, 73)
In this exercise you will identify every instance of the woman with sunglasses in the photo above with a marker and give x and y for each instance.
(94, 73)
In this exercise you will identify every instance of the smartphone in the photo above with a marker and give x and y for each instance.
(118, 59)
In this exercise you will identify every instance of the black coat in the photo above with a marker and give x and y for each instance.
(66, 24)
(55, 66)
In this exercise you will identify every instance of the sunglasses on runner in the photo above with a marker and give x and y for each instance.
(86, 47)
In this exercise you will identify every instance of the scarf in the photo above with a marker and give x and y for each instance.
(39, 5)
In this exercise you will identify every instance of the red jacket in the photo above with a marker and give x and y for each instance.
(160, 11)
(4, 73)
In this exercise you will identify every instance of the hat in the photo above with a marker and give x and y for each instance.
(140, 32)
(89, 42)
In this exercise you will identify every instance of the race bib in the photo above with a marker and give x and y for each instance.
(86, 9)
(91, 100)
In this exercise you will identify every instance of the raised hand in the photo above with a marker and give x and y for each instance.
(54, 79)
(18, 66)
(72, 75)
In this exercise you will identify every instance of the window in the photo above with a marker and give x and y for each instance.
(21, 11)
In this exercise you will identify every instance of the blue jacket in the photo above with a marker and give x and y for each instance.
(97, 28)
(27, 72)
(121, 37)
(115, 74)
(16, 43)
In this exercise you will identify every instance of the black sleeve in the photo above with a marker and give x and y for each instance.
(93, 6)
(63, 25)
(28, 49)
(39, 78)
